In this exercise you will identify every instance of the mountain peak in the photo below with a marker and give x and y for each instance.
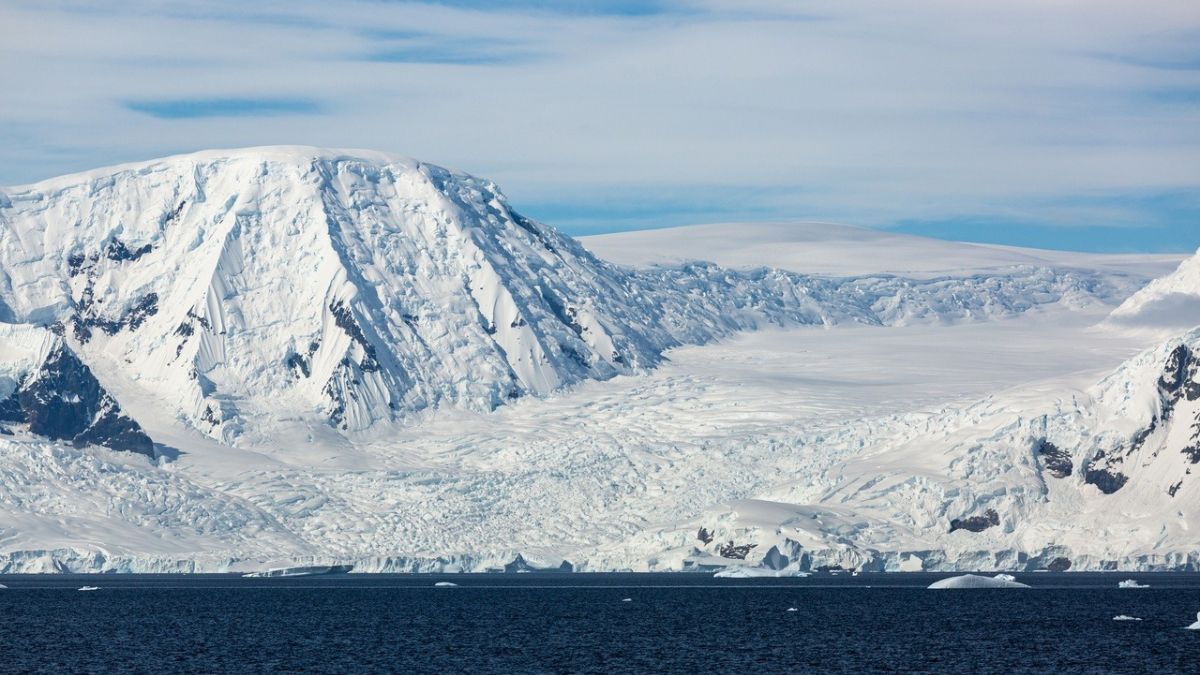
(355, 287)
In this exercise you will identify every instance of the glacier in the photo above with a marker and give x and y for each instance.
(322, 358)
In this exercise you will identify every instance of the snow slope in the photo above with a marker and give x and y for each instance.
(1168, 303)
(347, 357)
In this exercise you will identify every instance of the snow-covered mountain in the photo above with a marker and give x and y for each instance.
(323, 356)
(359, 288)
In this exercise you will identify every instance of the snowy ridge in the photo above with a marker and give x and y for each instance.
(356, 287)
(1171, 302)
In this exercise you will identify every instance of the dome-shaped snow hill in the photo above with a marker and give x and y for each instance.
(361, 287)
(1171, 302)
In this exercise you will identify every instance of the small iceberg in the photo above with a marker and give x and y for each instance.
(977, 581)
(305, 571)
(626, 599)
(446, 584)
(1131, 583)
(1125, 617)
(792, 609)
(2, 586)
(1195, 626)
(89, 588)
(744, 572)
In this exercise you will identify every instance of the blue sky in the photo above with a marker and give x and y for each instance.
(1054, 123)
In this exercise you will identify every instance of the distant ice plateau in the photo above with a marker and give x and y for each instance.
(296, 358)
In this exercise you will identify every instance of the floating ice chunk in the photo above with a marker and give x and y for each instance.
(89, 588)
(303, 571)
(1195, 626)
(976, 581)
(1125, 617)
(446, 584)
(792, 609)
(626, 599)
(743, 572)
(1131, 583)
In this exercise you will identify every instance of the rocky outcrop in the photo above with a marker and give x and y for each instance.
(1178, 383)
(978, 523)
(63, 401)
(1056, 461)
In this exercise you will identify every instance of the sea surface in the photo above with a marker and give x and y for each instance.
(595, 623)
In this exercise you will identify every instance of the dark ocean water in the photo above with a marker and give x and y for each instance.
(535, 623)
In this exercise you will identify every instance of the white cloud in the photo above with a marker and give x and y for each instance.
(862, 112)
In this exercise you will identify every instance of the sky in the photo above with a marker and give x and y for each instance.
(1052, 123)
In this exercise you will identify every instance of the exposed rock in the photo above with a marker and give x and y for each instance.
(704, 535)
(1056, 461)
(1108, 481)
(1059, 565)
(119, 252)
(735, 552)
(345, 320)
(1180, 377)
(64, 401)
(976, 523)
(86, 318)
(520, 564)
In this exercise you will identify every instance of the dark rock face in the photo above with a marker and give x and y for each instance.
(519, 564)
(87, 317)
(734, 552)
(65, 402)
(704, 535)
(119, 252)
(1059, 565)
(345, 320)
(976, 523)
(1180, 381)
(1056, 460)
(1108, 481)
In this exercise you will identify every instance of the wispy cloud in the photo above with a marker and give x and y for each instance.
(617, 113)
(173, 109)
(408, 46)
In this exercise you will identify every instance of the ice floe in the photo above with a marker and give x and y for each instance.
(977, 581)
(744, 572)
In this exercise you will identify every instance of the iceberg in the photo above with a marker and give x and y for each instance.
(446, 584)
(307, 571)
(1125, 617)
(1131, 583)
(977, 581)
(744, 572)
(89, 588)
(1196, 625)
